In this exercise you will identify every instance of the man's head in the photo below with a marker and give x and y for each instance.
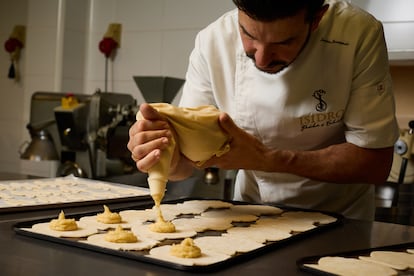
(274, 32)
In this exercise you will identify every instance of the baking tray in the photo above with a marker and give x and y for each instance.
(301, 263)
(43, 193)
(19, 228)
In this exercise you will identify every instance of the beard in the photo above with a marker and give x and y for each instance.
(276, 66)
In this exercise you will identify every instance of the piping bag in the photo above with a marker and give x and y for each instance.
(199, 137)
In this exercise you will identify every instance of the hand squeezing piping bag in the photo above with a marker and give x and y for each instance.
(158, 174)
(199, 137)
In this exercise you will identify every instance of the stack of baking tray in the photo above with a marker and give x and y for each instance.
(68, 191)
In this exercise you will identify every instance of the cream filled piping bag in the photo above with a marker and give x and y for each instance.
(199, 138)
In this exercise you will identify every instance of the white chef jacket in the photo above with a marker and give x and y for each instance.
(337, 90)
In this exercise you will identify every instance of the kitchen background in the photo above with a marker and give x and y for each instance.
(61, 52)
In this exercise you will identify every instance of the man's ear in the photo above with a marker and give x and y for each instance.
(318, 17)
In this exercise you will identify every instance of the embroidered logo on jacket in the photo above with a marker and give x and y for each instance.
(321, 118)
(321, 105)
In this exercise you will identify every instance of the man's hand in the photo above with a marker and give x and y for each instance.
(148, 137)
(246, 151)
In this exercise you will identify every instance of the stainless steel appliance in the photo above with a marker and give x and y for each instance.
(90, 132)
(91, 135)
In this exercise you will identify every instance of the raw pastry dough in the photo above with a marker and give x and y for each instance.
(80, 232)
(351, 266)
(397, 260)
(62, 223)
(120, 235)
(108, 217)
(199, 137)
(226, 244)
(162, 226)
(207, 257)
(180, 232)
(142, 243)
(201, 224)
(186, 249)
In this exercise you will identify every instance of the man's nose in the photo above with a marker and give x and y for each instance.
(263, 57)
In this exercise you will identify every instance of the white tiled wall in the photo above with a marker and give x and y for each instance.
(11, 92)
(74, 42)
(61, 52)
(157, 37)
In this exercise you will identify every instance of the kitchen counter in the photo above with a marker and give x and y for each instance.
(21, 255)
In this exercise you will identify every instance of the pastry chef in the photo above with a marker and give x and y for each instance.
(305, 94)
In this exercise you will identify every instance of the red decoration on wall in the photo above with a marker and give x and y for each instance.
(12, 44)
(107, 45)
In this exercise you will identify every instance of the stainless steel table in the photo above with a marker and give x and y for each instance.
(20, 255)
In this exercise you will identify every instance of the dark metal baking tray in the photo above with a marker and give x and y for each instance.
(33, 206)
(301, 263)
(140, 255)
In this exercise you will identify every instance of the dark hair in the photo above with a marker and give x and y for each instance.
(270, 10)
